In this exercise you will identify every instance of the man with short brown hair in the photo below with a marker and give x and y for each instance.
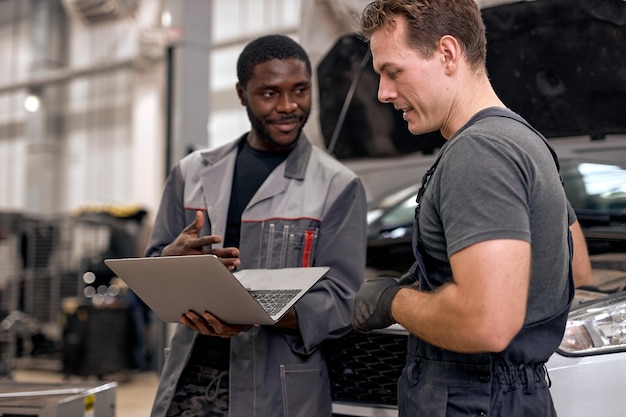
(492, 230)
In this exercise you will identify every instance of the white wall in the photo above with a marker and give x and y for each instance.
(114, 119)
(234, 23)
(15, 58)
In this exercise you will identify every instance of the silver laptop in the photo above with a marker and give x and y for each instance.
(173, 285)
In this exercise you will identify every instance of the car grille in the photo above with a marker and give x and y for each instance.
(365, 368)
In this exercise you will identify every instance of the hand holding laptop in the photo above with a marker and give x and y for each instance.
(184, 287)
(207, 324)
(173, 285)
(189, 242)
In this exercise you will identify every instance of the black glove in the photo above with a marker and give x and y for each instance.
(372, 307)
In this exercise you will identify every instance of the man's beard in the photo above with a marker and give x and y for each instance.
(265, 134)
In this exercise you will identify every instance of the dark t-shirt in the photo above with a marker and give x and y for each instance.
(497, 180)
(251, 170)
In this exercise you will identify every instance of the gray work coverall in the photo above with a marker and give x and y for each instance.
(310, 211)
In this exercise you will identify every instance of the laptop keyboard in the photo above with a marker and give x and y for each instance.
(273, 301)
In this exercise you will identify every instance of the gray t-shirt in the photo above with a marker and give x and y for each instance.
(497, 180)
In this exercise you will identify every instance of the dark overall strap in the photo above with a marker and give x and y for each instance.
(494, 111)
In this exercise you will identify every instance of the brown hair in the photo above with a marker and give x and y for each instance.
(428, 21)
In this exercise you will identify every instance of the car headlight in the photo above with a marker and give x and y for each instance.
(597, 327)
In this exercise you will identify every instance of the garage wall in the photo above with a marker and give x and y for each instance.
(99, 135)
(15, 57)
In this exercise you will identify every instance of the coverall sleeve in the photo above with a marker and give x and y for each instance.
(326, 311)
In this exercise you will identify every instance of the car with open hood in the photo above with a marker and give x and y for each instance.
(561, 64)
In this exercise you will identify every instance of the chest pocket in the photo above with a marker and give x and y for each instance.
(288, 243)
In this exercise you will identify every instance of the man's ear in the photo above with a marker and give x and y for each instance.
(241, 93)
(449, 51)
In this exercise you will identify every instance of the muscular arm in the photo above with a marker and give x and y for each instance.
(482, 309)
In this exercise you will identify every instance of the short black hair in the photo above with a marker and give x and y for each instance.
(265, 49)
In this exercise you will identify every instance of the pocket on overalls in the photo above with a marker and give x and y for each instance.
(418, 397)
(438, 389)
(306, 390)
(289, 244)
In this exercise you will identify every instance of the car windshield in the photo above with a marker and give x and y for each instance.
(595, 186)
(400, 215)
(591, 187)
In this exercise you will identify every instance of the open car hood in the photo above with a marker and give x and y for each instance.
(561, 64)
